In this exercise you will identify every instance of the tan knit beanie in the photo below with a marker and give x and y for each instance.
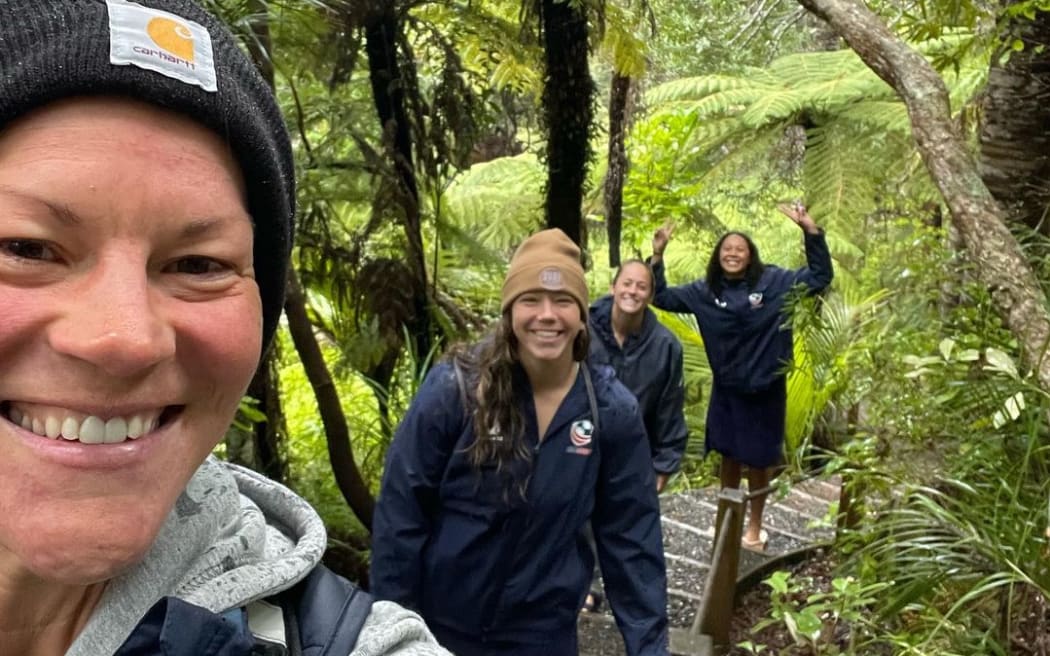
(546, 261)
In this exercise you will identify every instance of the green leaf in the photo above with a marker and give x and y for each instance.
(1000, 362)
(779, 581)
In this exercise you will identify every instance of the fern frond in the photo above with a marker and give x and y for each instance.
(500, 201)
(693, 88)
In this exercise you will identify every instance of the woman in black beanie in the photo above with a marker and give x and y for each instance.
(146, 203)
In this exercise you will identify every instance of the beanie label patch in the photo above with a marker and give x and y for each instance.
(550, 278)
(161, 42)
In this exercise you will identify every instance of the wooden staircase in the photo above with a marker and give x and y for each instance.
(797, 519)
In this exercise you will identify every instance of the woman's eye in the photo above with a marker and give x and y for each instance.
(199, 266)
(27, 249)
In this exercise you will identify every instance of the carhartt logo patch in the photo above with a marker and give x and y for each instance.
(173, 36)
(161, 42)
(550, 278)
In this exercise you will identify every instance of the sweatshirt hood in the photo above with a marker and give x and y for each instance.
(233, 536)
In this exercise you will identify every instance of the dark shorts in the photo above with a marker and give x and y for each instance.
(748, 426)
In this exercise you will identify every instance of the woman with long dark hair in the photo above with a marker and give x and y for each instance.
(510, 448)
(740, 309)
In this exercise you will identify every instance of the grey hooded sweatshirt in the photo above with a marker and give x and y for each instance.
(234, 537)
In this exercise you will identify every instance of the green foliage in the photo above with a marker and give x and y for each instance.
(833, 337)
(964, 549)
(717, 125)
(816, 620)
(310, 472)
(698, 36)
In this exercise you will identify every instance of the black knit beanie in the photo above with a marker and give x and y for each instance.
(180, 58)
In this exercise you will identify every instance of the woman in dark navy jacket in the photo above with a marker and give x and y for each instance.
(740, 309)
(481, 517)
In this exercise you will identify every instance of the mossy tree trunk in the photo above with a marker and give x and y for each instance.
(382, 31)
(618, 94)
(568, 109)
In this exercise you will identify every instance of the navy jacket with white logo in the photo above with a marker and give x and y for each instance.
(747, 341)
(486, 561)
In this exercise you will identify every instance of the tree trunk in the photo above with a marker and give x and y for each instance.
(266, 435)
(1015, 142)
(340, 451)
(568, 97)
(618, 94)
(1001, 264)
(388, 93)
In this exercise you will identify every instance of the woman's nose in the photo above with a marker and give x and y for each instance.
(113, 322)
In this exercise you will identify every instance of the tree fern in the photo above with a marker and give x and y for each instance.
(839, 100)
(500, 201)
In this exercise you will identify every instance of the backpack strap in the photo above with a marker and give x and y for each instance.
(591, 398)
(322, 615)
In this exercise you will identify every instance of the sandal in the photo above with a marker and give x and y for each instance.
(759, 545)
(593, 602)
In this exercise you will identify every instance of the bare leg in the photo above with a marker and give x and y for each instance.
(729, 473)
(756, 480)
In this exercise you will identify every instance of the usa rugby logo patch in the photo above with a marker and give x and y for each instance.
(580, 434)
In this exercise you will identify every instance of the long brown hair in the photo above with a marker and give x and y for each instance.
(489, 372)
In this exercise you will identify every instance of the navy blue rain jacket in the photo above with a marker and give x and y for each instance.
(747, 342)
(650, 365)
(482, 561)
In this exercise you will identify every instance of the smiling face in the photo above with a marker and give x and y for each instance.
(632, 289)
(545, 324)
(734, 256)
(132, 327)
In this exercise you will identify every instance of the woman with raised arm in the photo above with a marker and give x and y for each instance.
(740, 307)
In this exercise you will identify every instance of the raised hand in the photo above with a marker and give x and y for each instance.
(661, 237)
(797, 212)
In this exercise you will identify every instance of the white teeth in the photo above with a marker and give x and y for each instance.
(88, 429)
(70, 429)
(116, 430)
(92, 431)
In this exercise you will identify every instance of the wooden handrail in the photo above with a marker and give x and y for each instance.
(715, 611)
